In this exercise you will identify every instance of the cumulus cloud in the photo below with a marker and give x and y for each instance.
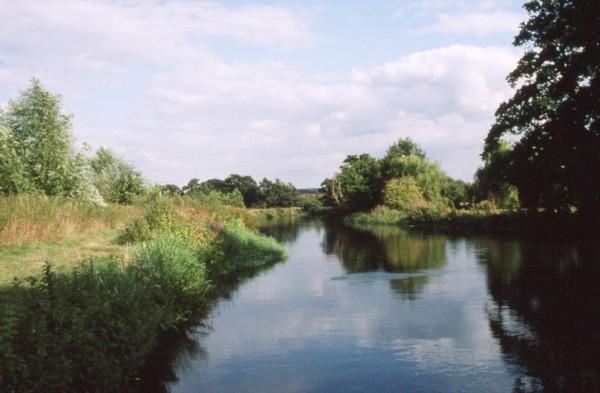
(475, 22)
(144, 78)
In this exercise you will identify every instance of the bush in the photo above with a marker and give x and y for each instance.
(177, 267)
(277, 216)
(403, 193)
(238, 248)
(215, 199)
(429, 215)
(380, 215)
(85, 331)
(311, 205)
(168, 215)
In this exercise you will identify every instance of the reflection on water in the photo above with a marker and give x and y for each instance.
(546, 312)
(384, 309)
(390, 249)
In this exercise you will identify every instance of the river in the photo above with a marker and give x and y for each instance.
(388, 310)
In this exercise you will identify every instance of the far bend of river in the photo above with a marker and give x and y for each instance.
(386, 310)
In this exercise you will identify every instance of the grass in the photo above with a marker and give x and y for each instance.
(242, 249)
(276, 215)
(28, 219)
(90, 326)
(27, 260)
(535, 224)
(377, 216)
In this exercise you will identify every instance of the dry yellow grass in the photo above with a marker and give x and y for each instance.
(29, 219)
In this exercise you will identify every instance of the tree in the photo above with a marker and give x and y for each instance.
(216, 185)
(555, 112)
(489, 182)
(404, 147)
(402, 193)
(246, 185)
(171, 189)
(14, 178)
(360, 181)
(116, 180)
(193, 185)
(44, 141)
(428, 175)
(277, 193)
(456, 192)
(331, 192)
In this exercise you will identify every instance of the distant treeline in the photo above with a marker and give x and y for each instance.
(240, 191)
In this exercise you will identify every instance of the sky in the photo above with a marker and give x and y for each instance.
(276, 89)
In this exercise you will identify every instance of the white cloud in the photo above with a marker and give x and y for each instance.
(143, 78)
(481, 23)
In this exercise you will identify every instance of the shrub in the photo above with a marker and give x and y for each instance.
(84, 331)
(239, 248)
(380, 215)
(311, 205)
(403, 193)
(178, 270)
(216, 199)
(168, 215)
(276, 216)
(428, 215)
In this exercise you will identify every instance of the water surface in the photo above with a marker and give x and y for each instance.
(386, 310)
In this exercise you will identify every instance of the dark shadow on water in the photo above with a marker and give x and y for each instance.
(287, 232)
(545, 311)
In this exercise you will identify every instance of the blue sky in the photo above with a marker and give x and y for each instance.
(286, 89)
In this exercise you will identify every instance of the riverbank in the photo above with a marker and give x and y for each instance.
(91, 325)
(479, 221)
(276, 215)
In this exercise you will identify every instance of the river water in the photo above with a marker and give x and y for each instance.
(387, 310)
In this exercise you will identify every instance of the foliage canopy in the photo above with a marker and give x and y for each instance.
(555, 112)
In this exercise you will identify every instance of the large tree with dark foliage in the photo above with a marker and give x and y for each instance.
(277, 193)
(361, 182)
(246, 185)
(555, 112)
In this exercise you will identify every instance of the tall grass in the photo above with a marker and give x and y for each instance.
(381, 215)
(26, 219)
(238, 248)
(91, 329)
(276, 215)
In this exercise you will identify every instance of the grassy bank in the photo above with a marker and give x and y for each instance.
(27, 219)
(91, 328)
(480, 221)
(276, 215)
(26, 261)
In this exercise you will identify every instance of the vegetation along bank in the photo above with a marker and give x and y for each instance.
(96, 264)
